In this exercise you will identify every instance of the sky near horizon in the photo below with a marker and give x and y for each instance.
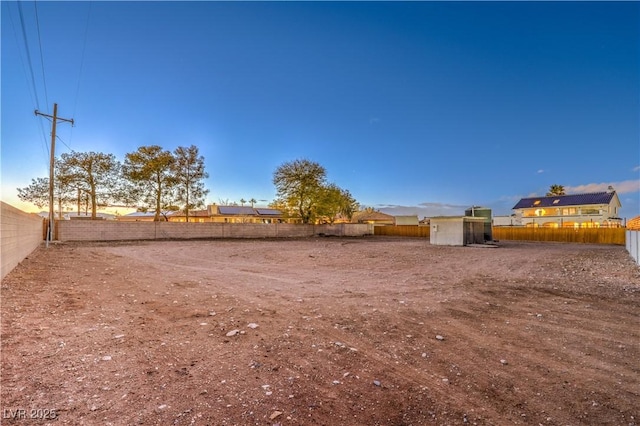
(420, 108)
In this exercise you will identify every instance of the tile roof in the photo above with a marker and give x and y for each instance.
(634, 224)
(566, 200)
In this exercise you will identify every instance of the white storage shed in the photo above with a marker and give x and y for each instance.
(457, 230)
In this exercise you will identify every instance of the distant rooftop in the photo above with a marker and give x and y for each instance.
(566, 200)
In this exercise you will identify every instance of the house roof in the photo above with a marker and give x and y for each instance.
(372, 216)
(269, 212)
(192, 213)
(634, 224)
(241, 210)
(70, 215)
(140, 214)
(566, 200)
(244, 211)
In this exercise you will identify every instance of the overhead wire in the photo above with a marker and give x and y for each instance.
(64, 143)
(84, 48)
(34, 94)
(44, 80)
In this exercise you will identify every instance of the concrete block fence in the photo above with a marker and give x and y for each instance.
(89, 230)
(20, 234)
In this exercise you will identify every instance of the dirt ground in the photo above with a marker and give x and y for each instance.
(321, 331)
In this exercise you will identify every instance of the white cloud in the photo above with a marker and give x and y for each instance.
(423, 209)
(623, 187)
(540, 171)
(636, 169)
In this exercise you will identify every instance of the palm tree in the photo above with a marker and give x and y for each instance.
(252, 201)
(556, 190)
(242, 201)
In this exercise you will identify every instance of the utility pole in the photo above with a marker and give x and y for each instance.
(54, 119)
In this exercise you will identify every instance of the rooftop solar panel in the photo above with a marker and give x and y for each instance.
(272, 212)
(566, 200)
(236, 210)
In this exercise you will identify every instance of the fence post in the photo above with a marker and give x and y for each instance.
(632, 243)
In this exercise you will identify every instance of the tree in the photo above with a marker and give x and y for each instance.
(298, 183)
(252, 201)
(242, 201)
(150, 170)
(555, 190)
(334, 201)
(188, 169)
(94, 173)
(37, 192)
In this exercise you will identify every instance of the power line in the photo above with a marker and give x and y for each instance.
(26, 45)
(44, 81)
(84, 48)
(64, 143)
(34, 95)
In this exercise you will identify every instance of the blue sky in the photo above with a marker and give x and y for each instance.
(415, 107)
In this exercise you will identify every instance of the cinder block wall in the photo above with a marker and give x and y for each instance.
(20, 234)
(101, 230)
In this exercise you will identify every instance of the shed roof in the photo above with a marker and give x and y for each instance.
(566, 200)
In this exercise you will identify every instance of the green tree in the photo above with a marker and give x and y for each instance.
(189, 173)
(94, 173)
(252, 201)
(150, 170)
(242, 201)
(37, 192)
(555, 190)
(298, 183)
(334, 201)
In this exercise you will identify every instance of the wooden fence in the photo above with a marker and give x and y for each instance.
(402, 230)
(566, 235)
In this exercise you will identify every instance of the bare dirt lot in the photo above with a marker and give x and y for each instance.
(321, 331)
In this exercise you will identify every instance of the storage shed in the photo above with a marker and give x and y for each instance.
(457, 230)
(485, 213)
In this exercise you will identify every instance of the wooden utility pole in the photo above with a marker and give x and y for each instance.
(54, 119)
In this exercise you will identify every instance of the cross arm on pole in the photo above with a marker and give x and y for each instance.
(68, 120)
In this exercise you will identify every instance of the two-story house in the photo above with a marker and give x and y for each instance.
(591, 210)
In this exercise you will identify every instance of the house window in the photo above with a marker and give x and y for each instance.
(556, 201)
(590, 211)
(569, 211)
